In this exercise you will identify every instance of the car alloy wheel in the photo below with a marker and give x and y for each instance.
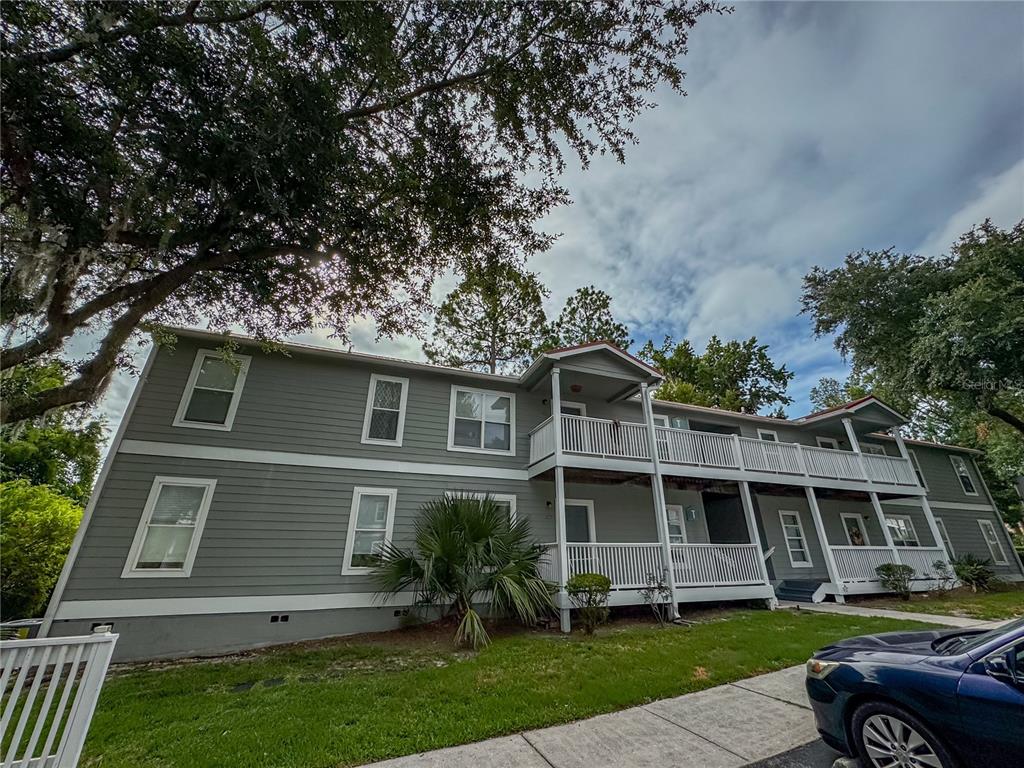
(892, 743)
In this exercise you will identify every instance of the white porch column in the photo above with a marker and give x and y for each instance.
(886, 534)
(658, 491)
(755, 538)
(855, 444)
(933, 527)
(819, 526)
(902, 446)
(563, 558)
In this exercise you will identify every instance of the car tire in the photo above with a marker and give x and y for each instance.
(886, 734)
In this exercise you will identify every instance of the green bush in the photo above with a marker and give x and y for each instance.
(36, 531)
(589, 593)
(974, 572)
(896, 578)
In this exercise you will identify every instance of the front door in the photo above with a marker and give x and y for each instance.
(676, 524)
(856, 533)
(578, 516)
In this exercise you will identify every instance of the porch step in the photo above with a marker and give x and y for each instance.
(797, 590)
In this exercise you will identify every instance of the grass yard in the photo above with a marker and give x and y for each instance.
(1004, 601)
(350, 701)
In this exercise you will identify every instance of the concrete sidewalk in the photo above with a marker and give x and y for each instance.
(929, 618)
(723, 727)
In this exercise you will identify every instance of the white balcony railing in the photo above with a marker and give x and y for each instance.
(610, 439)
(859, 563)
(630, 566)
(714, 565)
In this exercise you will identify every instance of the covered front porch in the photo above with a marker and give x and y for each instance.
(612, 528)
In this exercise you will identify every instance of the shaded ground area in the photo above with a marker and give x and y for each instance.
(1003, 601)
(817, 754)
(354, 700)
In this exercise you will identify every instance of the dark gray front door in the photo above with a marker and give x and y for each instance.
(577, 522)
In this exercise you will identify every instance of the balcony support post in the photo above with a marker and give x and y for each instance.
(658, 491)
(563, 557)
(748, 511)
(933, 527)
(886, 534)
(819, 526)
(855, 444)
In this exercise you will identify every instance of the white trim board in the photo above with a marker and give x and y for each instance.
(941, 504)
(253, 456)
(189, 606)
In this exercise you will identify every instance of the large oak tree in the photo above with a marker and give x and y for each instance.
(276, 166)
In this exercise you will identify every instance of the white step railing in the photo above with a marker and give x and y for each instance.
(605, 437)
(701, 449)
(714, 565)
(921, 559)
(859, 563)
(49, 689)
(542, 440)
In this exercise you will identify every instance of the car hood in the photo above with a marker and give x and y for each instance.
(895, 647)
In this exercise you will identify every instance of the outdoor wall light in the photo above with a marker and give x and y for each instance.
(691, 514)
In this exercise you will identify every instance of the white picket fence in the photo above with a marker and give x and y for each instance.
(48, 693)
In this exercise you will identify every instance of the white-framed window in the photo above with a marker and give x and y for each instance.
(796, 542)
(995, 546)
(570, 408)
(827, 442)
(901, 528)
(212, 392)
(945, 536)
(169, 530)
(482, 421)
(506, 501)
(370, 523)
(966, 481)
(384, 422)
(917, 469)
(679, 422)
(873, 448)
(659, 420)
(856, 530)
(676, 523)
(768, 434)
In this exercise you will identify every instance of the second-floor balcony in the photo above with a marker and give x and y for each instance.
(726, 454)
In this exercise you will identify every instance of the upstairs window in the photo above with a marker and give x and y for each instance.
(384, 422)
(370, 523)
(481, 421)
(966, 482)
(901, 528)
(768, 434)
(212, 393)
(873, 448)
(827, 442)
(172, 521)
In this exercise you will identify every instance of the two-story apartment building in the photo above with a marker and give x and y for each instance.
(243, 505)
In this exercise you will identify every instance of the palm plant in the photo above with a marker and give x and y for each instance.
(467, 552)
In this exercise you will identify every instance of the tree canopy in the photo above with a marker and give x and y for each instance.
(587, 316)
(491, 321)
(950, 328)
(277, 166)
(733, 375)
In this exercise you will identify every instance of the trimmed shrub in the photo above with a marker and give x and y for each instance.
(896, 578)
(589, 593)
(974, 572)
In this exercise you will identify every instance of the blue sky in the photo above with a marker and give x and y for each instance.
(810, 130)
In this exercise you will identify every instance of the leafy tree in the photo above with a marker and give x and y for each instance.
(587, 316)
(733, 375)
(466, 552)
(58, 449)
(282, 165)
(492, 319)
(950, 328)
(38, 526)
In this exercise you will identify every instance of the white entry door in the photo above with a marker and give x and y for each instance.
(676, 523)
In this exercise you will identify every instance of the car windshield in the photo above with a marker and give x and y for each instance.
(965, 643)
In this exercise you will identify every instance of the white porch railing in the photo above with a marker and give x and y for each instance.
(859, 563)
(921, 559)
(50, 687)
(714, 565)
(605, 438)
(629, 566)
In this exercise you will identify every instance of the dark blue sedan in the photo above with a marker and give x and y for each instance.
(935, 699)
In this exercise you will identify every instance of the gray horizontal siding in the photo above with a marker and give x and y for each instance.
(769, 507)
(966, 537)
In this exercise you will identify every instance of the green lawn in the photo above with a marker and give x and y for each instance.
(1004, 601)
(345, 702)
